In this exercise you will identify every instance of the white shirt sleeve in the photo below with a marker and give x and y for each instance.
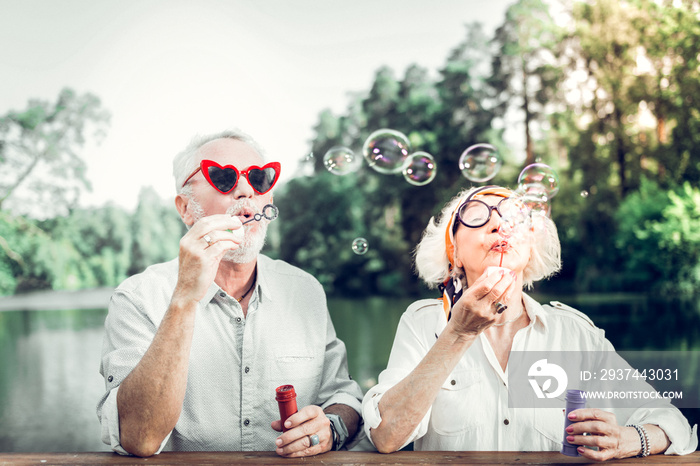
(684, 439)
(408, 350)
(127, 336)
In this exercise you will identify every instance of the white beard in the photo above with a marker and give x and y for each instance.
(252, 243)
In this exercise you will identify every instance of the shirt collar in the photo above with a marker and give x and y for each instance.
(538, 317)
(260, 283)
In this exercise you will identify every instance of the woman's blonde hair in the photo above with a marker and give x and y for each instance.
(431, 254)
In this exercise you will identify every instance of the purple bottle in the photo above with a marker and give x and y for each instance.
(574, 400)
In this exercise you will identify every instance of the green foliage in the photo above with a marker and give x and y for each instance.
(589, 107)
(155, 229)
(527, 74)
(39, 160)
(659, 236)
(87, 248)
(608, 99)
(19, 240)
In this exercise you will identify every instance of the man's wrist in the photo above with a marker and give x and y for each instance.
(338, 430)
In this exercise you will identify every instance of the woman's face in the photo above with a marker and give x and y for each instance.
(482, 247)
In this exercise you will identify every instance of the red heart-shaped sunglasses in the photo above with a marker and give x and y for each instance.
(224, 179)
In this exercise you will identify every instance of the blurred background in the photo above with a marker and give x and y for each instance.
(98, 96)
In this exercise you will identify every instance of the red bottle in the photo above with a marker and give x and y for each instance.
(287, 400)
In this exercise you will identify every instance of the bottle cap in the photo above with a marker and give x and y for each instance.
(285, 393)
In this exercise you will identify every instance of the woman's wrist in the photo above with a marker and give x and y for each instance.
(458, 337)
(634, 441)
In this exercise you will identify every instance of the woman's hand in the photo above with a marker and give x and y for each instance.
(602, 431)
(475, 311)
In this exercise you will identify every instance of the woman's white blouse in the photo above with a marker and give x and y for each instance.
(471, 411)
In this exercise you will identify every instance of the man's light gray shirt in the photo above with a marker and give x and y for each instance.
(236, 362)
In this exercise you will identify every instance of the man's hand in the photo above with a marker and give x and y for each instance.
(296, 441)
(201, 250)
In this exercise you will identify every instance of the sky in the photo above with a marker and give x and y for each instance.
(167, 70)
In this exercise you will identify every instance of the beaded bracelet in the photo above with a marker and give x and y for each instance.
(643, 437)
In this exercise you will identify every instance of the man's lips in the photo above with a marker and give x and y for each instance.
(244, 215)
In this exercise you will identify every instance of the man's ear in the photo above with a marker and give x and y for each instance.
(182, 204)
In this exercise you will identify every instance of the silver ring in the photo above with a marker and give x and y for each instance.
(500, 307)
(314, 440)
(207, 238)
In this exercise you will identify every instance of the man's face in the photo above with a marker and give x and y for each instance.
(243, 201)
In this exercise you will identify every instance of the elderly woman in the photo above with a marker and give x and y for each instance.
(446, 384)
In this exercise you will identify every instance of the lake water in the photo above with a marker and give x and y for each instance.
(50, 385)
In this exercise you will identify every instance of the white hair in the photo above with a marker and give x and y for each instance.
(433, 266)
(185, 162)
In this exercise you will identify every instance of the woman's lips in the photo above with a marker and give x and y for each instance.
(501, 246)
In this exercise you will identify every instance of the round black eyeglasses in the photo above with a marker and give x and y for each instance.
(475, 213)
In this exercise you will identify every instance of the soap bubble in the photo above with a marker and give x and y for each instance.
(360, 246)
(420, 168)
(516, 217)
(480, 162)
(525, 212)
(386, 150)
(539, 178)
(536, 202)
(306, 167)
(341, 161)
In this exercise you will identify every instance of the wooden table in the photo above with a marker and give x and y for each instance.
(332, 458)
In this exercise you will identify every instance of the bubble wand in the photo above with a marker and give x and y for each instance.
(270, 212)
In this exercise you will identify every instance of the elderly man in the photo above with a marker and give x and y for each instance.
(195, 347)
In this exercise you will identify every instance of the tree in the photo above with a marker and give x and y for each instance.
(156, 230)
(39, 158)
(526, 72)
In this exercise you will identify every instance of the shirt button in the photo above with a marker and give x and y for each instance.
(222, 294)
(453, 382)
(246, 422)
(506, 421)
(247, 369)
(238, 319)
(110, 378)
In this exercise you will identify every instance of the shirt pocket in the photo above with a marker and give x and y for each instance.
(302, 369)
(549, 426)
(455, 410)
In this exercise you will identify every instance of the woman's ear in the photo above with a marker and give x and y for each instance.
(458, 263)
